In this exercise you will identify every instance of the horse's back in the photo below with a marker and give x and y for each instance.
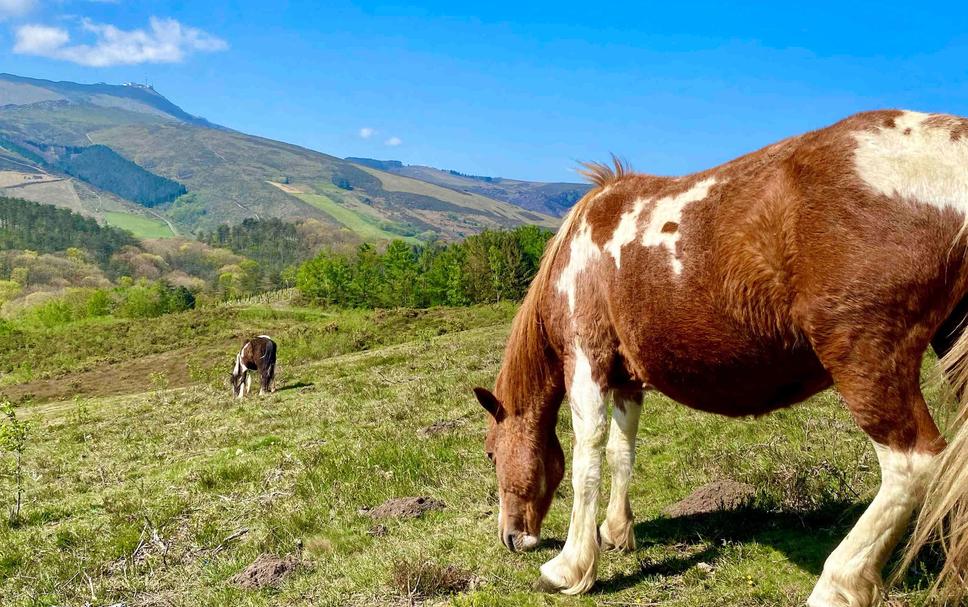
(719, 288)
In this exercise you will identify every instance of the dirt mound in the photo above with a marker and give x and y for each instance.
(715, 497)
(267, 571)
(405, 507)
(440, 427)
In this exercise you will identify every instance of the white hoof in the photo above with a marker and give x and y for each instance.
(619, 537)
(561, 575)
(841, 591)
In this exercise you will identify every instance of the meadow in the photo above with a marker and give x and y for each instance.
(145, 483)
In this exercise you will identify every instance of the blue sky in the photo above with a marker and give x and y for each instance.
(521, 89)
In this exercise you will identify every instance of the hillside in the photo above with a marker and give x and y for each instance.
(549, 198)
(228, 175)
(147, 484)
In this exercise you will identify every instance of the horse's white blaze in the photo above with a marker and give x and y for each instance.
(915, 161)
(852, 573)
(662, 211)
(583, 252)
(573, 570)
(669, 209)
(617, 528)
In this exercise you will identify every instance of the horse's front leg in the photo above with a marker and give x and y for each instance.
(616, 531)
(574, 570)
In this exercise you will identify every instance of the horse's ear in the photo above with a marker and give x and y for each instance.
(490, 402)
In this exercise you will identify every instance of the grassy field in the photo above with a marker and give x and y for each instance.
(363, 226)
(146, 484)
(140, 226)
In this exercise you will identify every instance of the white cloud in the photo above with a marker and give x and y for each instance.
(165, 41)
(366, 132)
(13, 8)
(394, 141)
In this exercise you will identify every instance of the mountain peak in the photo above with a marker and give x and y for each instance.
(136, 97)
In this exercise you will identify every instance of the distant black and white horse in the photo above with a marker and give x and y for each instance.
(257, 354)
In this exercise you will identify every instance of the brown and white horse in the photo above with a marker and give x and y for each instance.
(832, 258)
(257, 354)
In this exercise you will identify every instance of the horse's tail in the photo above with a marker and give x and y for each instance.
(943, 520)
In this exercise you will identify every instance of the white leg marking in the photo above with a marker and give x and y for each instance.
(915, 161)
(663, 211)
(583, 252)
(574, 570)
(617, 531)
(852, 574)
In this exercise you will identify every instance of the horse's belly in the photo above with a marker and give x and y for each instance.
(731, 377)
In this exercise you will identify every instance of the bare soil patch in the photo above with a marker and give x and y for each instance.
(716, 496)
(405, 507)
(439, 427)
(267, 571)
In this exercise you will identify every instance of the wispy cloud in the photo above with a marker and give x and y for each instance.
(165, 41)
(366, 132)
(14, 8)
(393, 141)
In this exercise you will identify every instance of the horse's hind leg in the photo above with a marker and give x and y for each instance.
(884, 397)
(616, 531)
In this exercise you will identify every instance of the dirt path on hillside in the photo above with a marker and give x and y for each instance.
(108, 379)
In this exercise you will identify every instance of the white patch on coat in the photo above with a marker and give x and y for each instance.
(662, 211)
(626, 231)
(669, 209)
(924, 165)
(573, 571)
(266, 337)
(583, 251)
(852, 573)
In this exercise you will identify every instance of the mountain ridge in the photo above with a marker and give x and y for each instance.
(229, 175)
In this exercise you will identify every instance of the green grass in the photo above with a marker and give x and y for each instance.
(140, 226)
(132, 498)
(351, 219)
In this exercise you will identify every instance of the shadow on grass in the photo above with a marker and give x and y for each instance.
(296, 386)
(805, 538)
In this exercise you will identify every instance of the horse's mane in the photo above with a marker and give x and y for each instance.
(529, 359)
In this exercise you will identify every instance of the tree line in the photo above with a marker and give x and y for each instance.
(488, 267)
(46, 228)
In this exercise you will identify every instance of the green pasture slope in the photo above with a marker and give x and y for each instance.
(140, 226)
(364, 226)
(152, 486)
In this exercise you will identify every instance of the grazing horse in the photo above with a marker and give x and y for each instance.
(832, 258)
(257, 354)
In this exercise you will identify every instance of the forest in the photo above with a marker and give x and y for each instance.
(104, 168)
(58, 267)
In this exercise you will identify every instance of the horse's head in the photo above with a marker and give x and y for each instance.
(529, 463)
(235, 381)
